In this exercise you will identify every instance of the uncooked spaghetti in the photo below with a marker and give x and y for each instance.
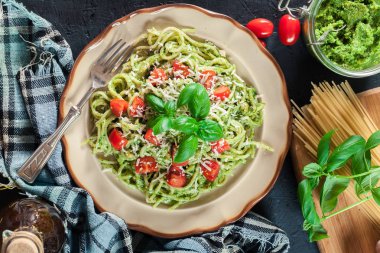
(336, 107)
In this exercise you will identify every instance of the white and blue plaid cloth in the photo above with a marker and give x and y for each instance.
(34, 63)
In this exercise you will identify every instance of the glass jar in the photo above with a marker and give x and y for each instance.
(31, 225)
(309, 14)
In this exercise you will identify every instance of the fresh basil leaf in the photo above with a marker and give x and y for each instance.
(186, 149)
(314, 182)
(359, 190)
(376, 195)
(162, 125)
(186, 94)
(156, 103)
(316, 232)
(199, 104)
(360, 163)
(345, 151)
(312, 170)
(209, 130)
(332, 187)
(368, 182)
(153, 121)
(373, 141)
(324, 148)
(170, 107)
(185, 124)
(312, 220)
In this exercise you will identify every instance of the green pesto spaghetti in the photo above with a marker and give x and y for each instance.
(177, 120)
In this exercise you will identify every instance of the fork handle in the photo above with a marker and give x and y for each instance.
(33, 166)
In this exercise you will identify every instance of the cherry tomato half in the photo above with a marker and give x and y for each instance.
(157, 76)
(176, 177)
(210, 169)
(289, 30)
(220, 146)
(222, 92)
(146, 164)
(117, 140)
(180, 70)
(261, 27)
(207, 78)
(149, 136)
(137, 107)
(118, 106)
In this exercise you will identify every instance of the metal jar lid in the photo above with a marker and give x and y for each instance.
(22, 241)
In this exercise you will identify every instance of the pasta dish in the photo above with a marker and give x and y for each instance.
(177, 120)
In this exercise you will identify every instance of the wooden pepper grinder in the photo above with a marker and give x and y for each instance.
(31, 226)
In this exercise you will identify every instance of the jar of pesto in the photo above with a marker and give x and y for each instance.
(343, 34)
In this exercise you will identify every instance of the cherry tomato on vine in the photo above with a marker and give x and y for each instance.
(261, 27)
(289, 30)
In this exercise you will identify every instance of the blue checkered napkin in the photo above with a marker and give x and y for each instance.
(34, 63)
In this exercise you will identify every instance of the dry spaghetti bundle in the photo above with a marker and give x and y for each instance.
(336, 107)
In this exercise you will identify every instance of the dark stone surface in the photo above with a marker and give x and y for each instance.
(81, 20)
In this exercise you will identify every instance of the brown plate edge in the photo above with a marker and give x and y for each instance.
(285, 96)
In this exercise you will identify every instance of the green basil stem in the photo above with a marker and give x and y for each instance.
(346, 208)
(358, 175)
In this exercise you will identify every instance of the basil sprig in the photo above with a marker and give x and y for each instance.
(164, 120)
(186, 124)
(209, 130)
(196, 98)
(155, 102)
(186, 149)
(365, 176)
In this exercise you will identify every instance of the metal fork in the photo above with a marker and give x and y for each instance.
(101, 72)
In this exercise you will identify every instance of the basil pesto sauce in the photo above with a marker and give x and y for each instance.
(357, 46)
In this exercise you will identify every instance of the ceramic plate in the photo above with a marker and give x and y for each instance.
(250, 182)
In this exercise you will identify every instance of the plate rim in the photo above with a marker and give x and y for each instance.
(285, 96)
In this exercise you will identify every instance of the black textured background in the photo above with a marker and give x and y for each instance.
(79, 21)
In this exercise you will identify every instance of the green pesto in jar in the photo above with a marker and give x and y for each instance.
(357, 46)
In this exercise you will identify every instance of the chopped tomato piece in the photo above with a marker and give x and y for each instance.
(207, 78)
(176, 177)
(149, 136)
(117, 140)
(157, 76)
(222, 92)
(210, 169)
(220, 146)
(137, 107)
(118, 106)
(146, 164)
(174, 151)
(180, 70)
